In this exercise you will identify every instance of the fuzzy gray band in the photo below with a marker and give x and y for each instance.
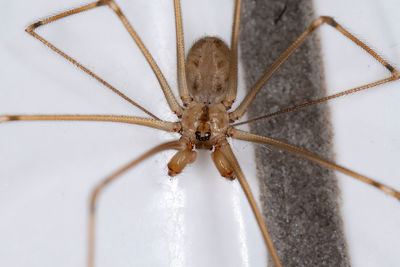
(299, 197)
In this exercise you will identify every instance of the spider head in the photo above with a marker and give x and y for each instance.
(203, 132)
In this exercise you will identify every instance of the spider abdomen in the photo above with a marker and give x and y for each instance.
(207, 70)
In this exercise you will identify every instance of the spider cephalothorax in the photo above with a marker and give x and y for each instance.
(204, 126)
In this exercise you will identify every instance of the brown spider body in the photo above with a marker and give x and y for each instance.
(205, 120)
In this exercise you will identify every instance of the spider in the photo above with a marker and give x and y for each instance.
(202, 136)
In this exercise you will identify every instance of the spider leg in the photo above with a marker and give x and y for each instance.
(242, 135)
(106, 182)
(31, 30)
(319, 100)
(175, 107)
(173, 104)
(157, 124)
(233, 71)
(226, 150)
(180, 51)
(239, 112)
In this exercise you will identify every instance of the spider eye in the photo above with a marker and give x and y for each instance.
(206, 136)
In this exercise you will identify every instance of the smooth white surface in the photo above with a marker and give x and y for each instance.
(49, 168)
(366, 125)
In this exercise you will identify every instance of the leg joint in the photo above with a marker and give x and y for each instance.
(32, 27)
(324, 19)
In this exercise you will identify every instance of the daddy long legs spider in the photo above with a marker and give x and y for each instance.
(104, 106)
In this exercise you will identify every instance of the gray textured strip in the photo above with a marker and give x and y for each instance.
(299, 197)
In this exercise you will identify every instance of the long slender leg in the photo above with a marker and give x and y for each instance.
(180, 52)
(320, 100)
(228, 153)
(238, 113)
(233, 71)
(157, 124)
(242, 135)
(175, 107)
(100, 187)
(173, 104)
(31, 30)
